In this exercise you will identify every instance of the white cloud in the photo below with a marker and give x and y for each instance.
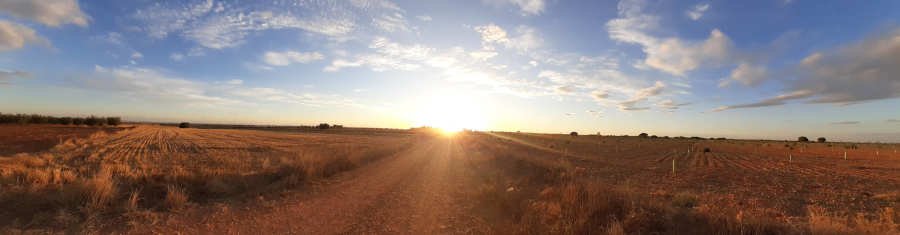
(14, 36)
(137, 55)
(388, 55)
(526, 7)
(671, 55)
(176, 56)
(339, 64)
(289, 57)
(217, 26)
(425, 18)
(642, 95)
(527, 37)
(671, 105)
(6, 76)
(145, 83)
(391, 22)
(152, 84)
(747, 74)
(48, 12)
(600, 95)
(696, 12)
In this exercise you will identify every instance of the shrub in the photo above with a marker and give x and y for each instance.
(94, 121)
(113, 121)
(821, 140)
(706, 150)
(65, 120)
(176, 197)
(654, 137)
(573, 134)
(78, 121)
(184, 125)
(802, 139)
(643, 135)
(323, 126)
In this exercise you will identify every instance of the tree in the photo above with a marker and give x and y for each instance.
(643, 135)
(113, 121)
(654, 137)
(184, 125)
(821, 140)
(802, 139)
(323, 126)
(65, 120)
(573, 134)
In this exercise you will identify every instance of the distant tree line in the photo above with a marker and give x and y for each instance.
(43, 119)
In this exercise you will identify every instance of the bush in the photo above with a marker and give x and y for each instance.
(184, 125)
(573, 134)
(821, 140)
(643, 135)
(323, 126)
(65, 120)
(113, 121)
(654, 137)
(78, 121)
(802, 139)
(95, 121)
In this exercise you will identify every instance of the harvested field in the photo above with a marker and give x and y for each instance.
(34, 138)
(158, 179)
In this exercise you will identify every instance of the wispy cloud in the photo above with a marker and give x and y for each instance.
(52, 13)
(15, 36)
(6, 76)
(845, 123)
(157, 85)
(642, 95)
(526, 7)
(526, 38)
(747, 74)
(777, 100)
(696, 12)
(285, 58)
(219, 25)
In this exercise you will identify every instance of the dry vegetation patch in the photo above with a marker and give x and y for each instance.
(151, 169)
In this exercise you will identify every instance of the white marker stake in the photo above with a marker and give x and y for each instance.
(673, 167)
(790, 158)
(845, 155)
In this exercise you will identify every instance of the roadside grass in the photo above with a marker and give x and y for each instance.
(63, 191)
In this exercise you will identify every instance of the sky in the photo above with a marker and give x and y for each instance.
(772, 69)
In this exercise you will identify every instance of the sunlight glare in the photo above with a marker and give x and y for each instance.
(451, 113)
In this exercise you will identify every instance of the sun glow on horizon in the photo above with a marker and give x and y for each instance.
(451, 113)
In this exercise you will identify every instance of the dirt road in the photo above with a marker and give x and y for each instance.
(418, 191)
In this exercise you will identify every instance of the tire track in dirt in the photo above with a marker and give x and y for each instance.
(410, 193)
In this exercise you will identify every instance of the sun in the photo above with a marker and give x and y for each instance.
(451, 113)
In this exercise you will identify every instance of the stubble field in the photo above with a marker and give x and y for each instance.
(158, 179)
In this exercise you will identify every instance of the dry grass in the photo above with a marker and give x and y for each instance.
(151, 169)
(554, 197)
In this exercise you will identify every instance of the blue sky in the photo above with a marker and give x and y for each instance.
(744, 69)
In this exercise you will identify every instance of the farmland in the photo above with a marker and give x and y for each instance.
(158, 179)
